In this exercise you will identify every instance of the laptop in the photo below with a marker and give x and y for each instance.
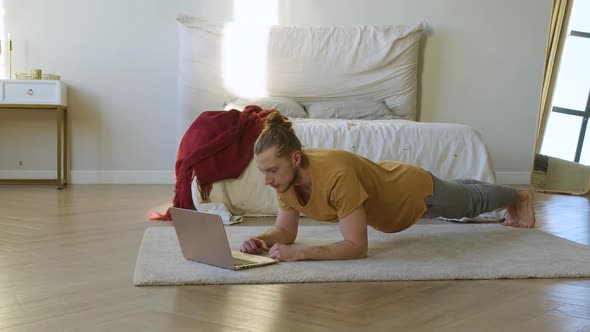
(202, 239)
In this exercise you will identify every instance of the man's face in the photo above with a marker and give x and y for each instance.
(279, 173)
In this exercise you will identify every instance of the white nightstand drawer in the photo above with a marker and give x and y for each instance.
(41, 92)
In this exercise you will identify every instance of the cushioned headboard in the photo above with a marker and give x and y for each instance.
(308, 64)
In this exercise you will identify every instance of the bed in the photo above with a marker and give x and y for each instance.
(352, 88)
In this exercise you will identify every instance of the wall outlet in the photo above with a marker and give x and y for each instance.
(20, 164)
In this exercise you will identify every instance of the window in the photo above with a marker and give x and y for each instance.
(565, 135)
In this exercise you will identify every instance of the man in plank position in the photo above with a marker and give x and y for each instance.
(340, 186)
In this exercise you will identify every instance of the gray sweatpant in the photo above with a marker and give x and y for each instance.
(467, 198)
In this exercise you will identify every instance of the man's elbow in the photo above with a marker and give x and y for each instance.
(363, 254)
(287, 237)
(291, 237)
(361, 251)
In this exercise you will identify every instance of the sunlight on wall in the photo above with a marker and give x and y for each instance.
(260, 11)
(245, 44)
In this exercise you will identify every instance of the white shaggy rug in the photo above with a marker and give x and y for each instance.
(422, 252)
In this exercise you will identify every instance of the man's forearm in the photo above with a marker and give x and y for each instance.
(337, 250)
(277, 234)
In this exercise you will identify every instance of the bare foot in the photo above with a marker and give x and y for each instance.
(522, 213)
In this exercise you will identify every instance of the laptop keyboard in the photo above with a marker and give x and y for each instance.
(241, 262)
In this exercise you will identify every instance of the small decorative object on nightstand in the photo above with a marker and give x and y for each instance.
(46, 95)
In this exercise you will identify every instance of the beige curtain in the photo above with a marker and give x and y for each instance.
(557, 34)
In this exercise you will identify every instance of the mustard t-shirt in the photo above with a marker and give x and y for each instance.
(392, 192)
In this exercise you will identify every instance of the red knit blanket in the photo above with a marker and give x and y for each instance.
(217, 146)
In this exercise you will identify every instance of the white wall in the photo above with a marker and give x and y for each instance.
(482, 66)
(119, 60)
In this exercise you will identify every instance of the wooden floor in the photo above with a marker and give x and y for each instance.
(67, 259)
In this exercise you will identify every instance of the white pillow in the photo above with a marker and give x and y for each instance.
(360, 109)
(287, 107)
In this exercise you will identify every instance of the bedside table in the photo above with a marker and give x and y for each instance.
(45, 95)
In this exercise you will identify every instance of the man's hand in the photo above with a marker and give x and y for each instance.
(285, 253)
(254, 245)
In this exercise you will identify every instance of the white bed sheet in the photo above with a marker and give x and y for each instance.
(449, 151)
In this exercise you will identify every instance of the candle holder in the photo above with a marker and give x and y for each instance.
(9, 57)
(25, 76)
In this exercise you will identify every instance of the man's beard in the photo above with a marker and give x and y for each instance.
(288, 186)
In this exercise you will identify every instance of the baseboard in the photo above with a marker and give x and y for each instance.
(27, 174)
(97, 177)
(167, 177)
(513, 177)
(122, 177)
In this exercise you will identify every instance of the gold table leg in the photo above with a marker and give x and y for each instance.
(65, 162)
(59, 138)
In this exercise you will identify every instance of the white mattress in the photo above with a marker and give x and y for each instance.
(304, 63)
(449, 151)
